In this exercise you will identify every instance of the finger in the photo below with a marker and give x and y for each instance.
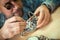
(37, 12)
(23, 23)
(8, 34)
(11, 19)
(19, 19)
(40, 18)
(14, 19)
(15, 31)
(48, 18)
(43, 22)
(16, 24)
(22, 28)
(13, 25)
(5, 34)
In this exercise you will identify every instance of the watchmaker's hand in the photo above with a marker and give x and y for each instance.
(43, 16)
(13, 26)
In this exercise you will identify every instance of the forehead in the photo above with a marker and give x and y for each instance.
(9, 0)
(18, 2)
(5, 1)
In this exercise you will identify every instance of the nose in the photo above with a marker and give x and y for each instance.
(15, 8)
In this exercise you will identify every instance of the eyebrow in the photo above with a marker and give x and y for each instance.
(4, 2)
(7, 1)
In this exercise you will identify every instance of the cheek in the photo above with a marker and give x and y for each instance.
(6, 12)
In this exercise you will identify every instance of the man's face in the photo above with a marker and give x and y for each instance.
(11, 7)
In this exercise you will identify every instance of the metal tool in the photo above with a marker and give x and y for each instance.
(31, 25)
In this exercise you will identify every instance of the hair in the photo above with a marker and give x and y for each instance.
(19, 2)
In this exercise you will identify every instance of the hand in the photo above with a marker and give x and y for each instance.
(43, 15)
(13, 26)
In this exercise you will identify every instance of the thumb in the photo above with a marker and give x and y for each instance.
(37, 12)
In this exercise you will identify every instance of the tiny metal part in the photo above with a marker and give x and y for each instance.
(42, 37)
(31, 25)
(33, 38)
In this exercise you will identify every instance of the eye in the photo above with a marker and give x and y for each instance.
(8, 5)
(14, 0)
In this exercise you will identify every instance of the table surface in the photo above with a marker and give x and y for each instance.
(52, 30)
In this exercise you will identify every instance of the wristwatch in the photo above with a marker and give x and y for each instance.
(31, 25)
(42, 37)
(33, 38)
